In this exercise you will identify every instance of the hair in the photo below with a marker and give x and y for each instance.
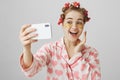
(70, 7)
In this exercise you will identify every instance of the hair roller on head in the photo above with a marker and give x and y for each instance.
(76, 4)
(66, 6)
(73, 6)
(85, 13)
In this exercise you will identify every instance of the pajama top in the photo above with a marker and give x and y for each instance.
(81, 66)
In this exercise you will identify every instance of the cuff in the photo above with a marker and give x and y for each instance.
(22, 65)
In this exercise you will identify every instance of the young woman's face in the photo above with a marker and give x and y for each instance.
(73, 25)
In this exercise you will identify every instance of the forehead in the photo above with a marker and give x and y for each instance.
(74, 15)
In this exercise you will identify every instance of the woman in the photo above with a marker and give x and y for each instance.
(66, 59)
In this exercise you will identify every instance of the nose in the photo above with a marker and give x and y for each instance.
(74, 26)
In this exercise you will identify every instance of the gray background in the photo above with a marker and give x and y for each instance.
(103, 33)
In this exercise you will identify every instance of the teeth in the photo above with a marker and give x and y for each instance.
(73, 32)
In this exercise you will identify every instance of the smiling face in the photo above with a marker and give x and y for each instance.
(73, 25)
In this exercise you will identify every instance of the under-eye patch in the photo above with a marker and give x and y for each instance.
(80, 26)
(67, 25)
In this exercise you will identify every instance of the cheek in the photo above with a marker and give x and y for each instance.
(80, 26)
(80, 30)
(68, 26)
(65, 29)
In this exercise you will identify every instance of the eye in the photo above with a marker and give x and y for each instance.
(80, 22)
(69, 22)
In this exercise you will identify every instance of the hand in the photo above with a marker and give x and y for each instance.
(26, 36)
(81, 44)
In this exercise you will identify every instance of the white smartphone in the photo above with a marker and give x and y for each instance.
(43, 30)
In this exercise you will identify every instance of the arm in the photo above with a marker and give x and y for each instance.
(26, 40)
(40, 59)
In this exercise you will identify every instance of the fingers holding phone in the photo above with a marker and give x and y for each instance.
(31, 33)
(26, 35)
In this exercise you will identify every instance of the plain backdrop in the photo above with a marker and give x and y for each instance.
(103, 33)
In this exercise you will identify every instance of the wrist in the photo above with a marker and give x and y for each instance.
(26, 49)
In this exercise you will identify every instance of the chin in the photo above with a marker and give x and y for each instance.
(73, 39)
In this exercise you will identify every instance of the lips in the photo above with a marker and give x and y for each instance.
(73, 33)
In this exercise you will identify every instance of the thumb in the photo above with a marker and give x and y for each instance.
(84, 39)
(80, 46)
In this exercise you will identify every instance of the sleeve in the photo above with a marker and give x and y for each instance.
(40, 59)
(94, 65)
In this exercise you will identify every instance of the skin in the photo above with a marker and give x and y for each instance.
(26, 40)
(73, 23)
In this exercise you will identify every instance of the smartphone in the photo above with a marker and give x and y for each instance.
(43, 30)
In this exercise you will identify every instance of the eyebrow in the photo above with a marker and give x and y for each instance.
(80, 19)
(77, 19)
(69, 18)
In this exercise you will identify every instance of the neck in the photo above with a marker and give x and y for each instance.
(69, 43)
